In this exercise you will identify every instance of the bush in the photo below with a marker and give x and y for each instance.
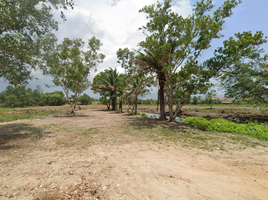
(52, 99)
(85, 99)
(144, 115)
(259, 131)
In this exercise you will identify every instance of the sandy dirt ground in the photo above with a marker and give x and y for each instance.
(49, 160)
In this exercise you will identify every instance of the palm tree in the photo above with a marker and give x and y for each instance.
(107, 81)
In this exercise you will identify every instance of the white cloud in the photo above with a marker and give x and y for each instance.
(182, 7)
(114, 22)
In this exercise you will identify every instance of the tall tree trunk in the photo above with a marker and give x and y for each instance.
(72, 112)
(157, 100)
(136, 104)
(109, 105)
(114, 101)
(78, 103)
(125, 103)
(170, 106)
(212, 101)
(161, 80)
(121, 104)
(75, 98)
(66, 92)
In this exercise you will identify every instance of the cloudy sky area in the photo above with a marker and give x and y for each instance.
(116, 23)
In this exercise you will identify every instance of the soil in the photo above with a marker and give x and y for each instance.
(54, 158)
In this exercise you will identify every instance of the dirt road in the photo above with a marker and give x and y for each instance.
(91, 157)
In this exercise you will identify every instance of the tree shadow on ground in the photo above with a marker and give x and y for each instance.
(12, 134)
(140, 123)
(74, 116)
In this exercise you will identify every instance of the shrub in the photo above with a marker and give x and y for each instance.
(259, 131)
(85, 99)
(144, 115)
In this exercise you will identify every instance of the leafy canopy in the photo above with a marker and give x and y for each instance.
(22, 22)
(174, 44)
(70, 66)
(248, 78)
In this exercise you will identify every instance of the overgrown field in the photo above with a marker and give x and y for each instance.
(8, 115)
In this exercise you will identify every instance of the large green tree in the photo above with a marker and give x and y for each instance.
(70, 66)
(21, 24)
(248, 79)
(174, 45)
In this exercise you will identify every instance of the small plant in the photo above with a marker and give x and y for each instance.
(154, 117)
(144, 115)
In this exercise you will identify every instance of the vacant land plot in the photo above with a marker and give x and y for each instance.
(241, 113)
(107, 155)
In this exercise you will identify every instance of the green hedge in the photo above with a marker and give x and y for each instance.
(259, 131)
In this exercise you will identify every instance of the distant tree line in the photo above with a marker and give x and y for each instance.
(20, 96)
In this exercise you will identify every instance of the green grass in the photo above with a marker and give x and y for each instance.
(6, 110)
(11, 115)
(259, 131)
(192, 138)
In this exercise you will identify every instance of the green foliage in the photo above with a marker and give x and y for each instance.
(209, 101)
(52, 99)
(174, 44)
(144, 115)
(136, 81)
(148, 102)
(259, 131)
(195, 100)
(85, 99)
(107, 83)
(20, 96)
(248, 80)
(70, 66)
(103, 99)
(22, 23)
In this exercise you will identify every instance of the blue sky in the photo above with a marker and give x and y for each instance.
(116, 23)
